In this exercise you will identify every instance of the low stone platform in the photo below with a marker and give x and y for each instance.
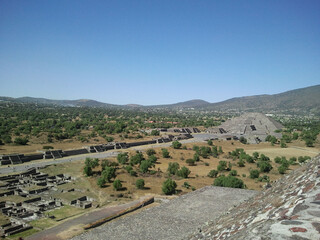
(175, 219)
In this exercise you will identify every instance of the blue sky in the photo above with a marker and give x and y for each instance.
(157, 52)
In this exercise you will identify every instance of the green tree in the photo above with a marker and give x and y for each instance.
(241, 163)
(165, 153)
(183, 172)
(155, 133)
(173, 168)
(101, 181)
(190, 162)
(169, 187)
(123, 158)
(144, 166)
(222, 166)
(87, 171)
(255, 155)
(295, 136)
(265, 166)
(282, 169)
(233, 173)
(229, 181)
(137, 158)
(108, 173)
(140, 183)
(176, 144)
(254, 173)
(117, 185)
(213, 173)
(92, 162)
(210, 142)
(196, 157)
(151, 152)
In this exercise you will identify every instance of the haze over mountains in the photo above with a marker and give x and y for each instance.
(298, 100)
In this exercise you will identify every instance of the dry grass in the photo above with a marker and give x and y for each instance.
(198, 177)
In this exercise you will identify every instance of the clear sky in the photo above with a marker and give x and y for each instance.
(157, 52)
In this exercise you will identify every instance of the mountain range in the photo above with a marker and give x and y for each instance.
(303, 100)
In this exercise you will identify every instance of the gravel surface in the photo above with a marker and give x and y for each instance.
(175, 219)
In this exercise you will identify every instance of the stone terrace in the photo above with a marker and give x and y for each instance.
(290, 209)
(175, 219)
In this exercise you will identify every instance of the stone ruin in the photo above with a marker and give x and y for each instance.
(33, 190)
(56, 154)
(255, 127)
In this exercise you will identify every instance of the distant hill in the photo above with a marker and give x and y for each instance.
(303, 100)
(65, 103)
(196, 103)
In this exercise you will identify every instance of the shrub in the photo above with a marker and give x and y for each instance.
(169, 186)
(173, 168)
(183, 172)
(133, 173)
(213, 173)
(47, 147)
(206, 164)
(190, 162)
(186, 185)
(117, 185)
(233, 173)
(243, 140)
(277, 160)
(210, 142)
(293, 160)
(165, 153)
(264, 178)
(195, 148)
(151, 152)
(241, 163)
(21, 141)
(229, 181)
(129, 168)
(196, 157)
(255, 155)
(283, 145)
(249, 159)
(140, 183)
(176, 144)
(302, 159)
(254, 173)
(204, 151)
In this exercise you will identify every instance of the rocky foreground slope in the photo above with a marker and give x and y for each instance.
(290, 209)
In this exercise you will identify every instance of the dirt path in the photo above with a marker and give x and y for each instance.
(75, 226)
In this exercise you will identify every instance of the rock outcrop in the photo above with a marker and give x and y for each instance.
(290, 209)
